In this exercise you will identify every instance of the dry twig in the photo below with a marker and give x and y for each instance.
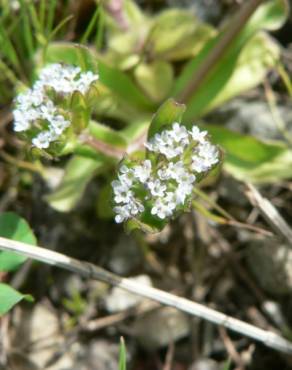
(91, 271)
(270, 213)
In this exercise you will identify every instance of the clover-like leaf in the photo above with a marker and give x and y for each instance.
(16, 228)
(9, 297)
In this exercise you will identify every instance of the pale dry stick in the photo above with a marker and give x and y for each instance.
(270, 213)
(116, 318)
(91, 271)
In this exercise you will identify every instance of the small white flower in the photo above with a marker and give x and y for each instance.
(199, 164)
(127, 178)
(208, 152)
(42, 140)
(122, 213)
(205, 157)
(124, 169)
(198, 135)
(121, 192)
(162, 208)
(85, 80)
(183, 190)
(58, 124)
(21, 121)
(47, 110)
(156, 187)
(179, 134)
(142, 173)
(136, 207)
(171, 151)
(21, 125)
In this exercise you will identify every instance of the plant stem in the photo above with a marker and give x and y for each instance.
(235, 26)
(91, 271)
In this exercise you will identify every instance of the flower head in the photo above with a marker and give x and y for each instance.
(163, 186)
(37, 113)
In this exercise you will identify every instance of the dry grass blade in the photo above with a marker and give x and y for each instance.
(270, 213)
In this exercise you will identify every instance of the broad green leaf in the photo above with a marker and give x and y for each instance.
(16, 228)
(250, 159)
(169, 112)
(177, 34)
(107, 135)
(155, 79)
(10, 297)
(121, 85)
(113, 107)
(69, 53)
(269, 15)
(122, 355)
(79, 171)
(259, 54)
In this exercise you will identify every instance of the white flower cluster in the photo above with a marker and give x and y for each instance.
(34, 109)
(164, 185)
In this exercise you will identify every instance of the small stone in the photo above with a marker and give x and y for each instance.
(239, 116)
(205, 364)
(160, 327)
(271, 264)
(120, 300)
(125, 256)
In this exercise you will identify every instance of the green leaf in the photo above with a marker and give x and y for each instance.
(169, 112)
(107, 135)
(16, 228)
(10, 297)
(122, 355)
(80, 111)
(155, 79)
(79, 171)
(250, 159)
(270, 15)
(177, 34)
(122, 86)
(69, 53)
(259, 55)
